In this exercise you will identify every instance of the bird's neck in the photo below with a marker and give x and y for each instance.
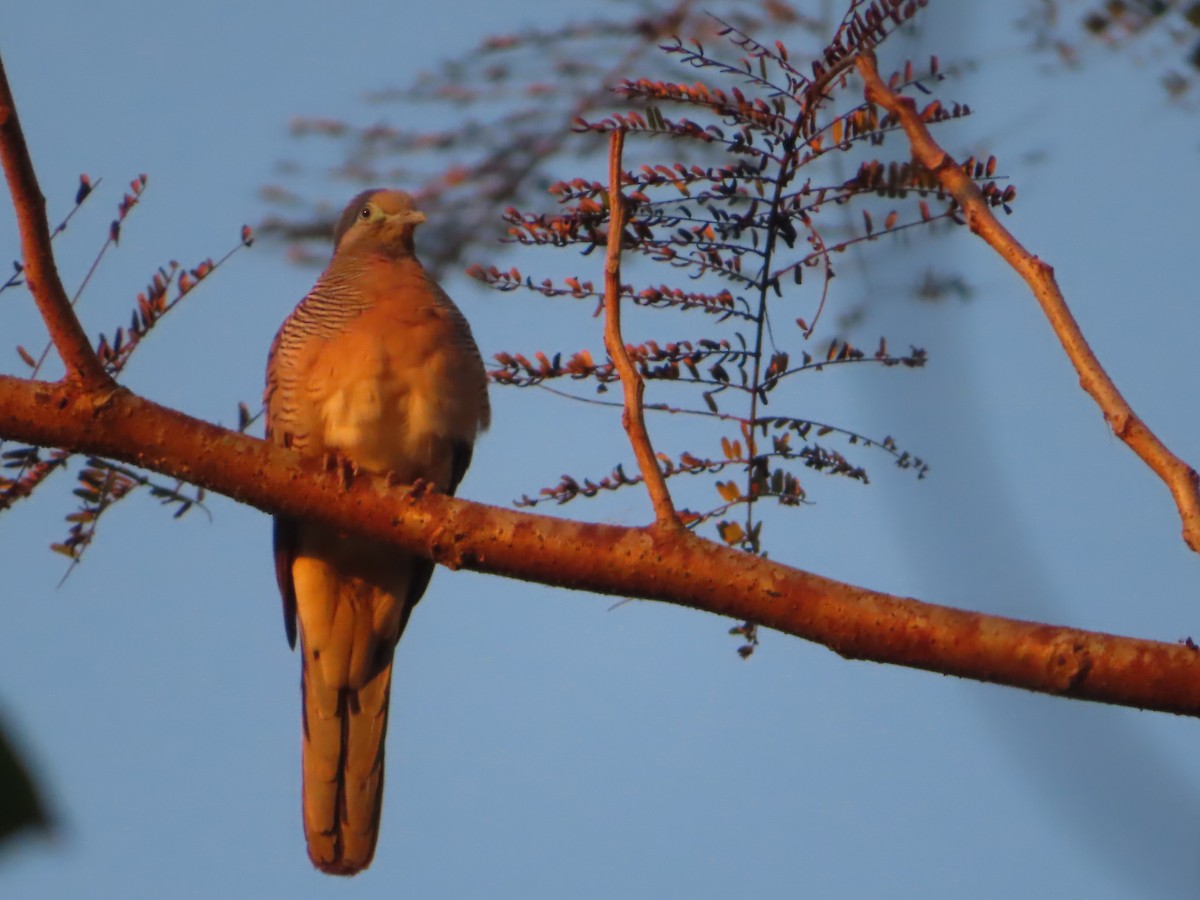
(357, 261)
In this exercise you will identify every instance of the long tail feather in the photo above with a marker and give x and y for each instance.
(342, 759)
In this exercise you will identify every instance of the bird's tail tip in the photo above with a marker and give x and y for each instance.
(339, 863)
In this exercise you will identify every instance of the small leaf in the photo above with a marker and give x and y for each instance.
(85, 188)
(731, 533)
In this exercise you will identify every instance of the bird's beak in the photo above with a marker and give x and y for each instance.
(408, 217)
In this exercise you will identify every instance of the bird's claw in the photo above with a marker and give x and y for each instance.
(346, 468)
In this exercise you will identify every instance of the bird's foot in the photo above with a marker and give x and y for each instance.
(421, 487)
(346, 468)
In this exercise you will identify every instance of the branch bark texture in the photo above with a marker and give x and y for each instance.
(672, 565)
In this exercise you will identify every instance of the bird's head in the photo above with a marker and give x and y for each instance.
(378, 221)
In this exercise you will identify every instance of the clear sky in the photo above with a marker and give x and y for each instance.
(542, 743)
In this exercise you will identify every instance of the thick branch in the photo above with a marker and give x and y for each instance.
(656, 564)
(632, 416)
(1179, 477)
(41, 273)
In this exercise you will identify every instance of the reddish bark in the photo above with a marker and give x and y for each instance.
(1181, 479)
(652, 563)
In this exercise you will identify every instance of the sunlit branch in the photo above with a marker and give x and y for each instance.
(1180, 477)
(631, 383)
(41, 273)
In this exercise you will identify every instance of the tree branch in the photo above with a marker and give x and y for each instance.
(41, 273)
(1179, 477)
(651, 563)
(632, 415)
(89, 414)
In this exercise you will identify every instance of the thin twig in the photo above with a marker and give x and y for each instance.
(41, 274)
(1181, 478)
(631, 383)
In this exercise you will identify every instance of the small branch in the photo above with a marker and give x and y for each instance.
(632, 416)
(41, 274)
(1179, 477)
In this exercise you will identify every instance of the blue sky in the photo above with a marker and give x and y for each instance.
(543, 743)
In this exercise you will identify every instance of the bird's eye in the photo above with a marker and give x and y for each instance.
(365, 212)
